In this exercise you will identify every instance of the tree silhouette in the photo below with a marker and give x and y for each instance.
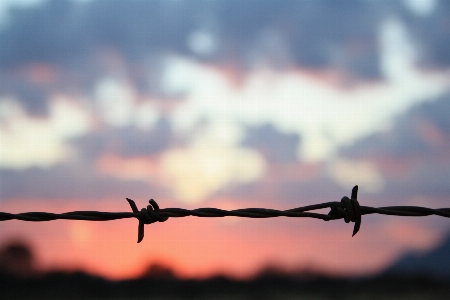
(17, 259)
(158, 271)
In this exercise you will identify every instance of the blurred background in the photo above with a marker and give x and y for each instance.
(227, 104)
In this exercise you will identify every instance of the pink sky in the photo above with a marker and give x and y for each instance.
(199, 247)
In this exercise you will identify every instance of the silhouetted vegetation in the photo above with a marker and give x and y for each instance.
(78, 285)
(158, 271)
(17, 259)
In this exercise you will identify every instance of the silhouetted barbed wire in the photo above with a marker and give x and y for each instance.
(347, 209)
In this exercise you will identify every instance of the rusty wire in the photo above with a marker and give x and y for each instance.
(347, 209)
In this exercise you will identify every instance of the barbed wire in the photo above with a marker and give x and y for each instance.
(347, 209)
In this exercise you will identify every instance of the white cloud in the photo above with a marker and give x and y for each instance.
(421, 7)
(118, 105)
(326, 117)
(67, 117)
(208, 166)
(183, 75)
(398, 52)
(146, 115)
(348, 173)
(39, 142)
(116, 102)
(202, 42)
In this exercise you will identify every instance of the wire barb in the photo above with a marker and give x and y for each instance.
(351, 210)
(348, 209)
(147, 216)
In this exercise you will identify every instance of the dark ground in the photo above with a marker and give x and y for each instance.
(78, 285)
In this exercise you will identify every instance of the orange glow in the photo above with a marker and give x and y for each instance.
(403, 231)
(201, 247)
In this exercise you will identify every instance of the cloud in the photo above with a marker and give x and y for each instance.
(293, 34)
(430, 32)
(208, 166)
(282, 113)
(422, 131)
(28, 142)
(319, 34)
(68, 182)
(130, 141)
(421, 7)
(33, 96)
(128, 169)
(412, 155)
(274, 145)
(325, 116)
(348, 173)
(116, 102)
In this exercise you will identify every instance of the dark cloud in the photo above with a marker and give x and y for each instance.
(60, 31)
(274, 145)
(40, 33)
(70, 182)
(427, 179)
(274, 190)
(34, 97)
(432, 33)
(311, 191)
(321, 33)
(422, 131)
(413, 155)
(437, 111)
(125, 142)
(76, 37)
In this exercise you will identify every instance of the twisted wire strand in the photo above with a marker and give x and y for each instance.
(347, 209)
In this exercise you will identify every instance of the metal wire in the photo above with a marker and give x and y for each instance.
(347, 209)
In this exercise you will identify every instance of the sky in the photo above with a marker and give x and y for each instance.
(227, 104)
